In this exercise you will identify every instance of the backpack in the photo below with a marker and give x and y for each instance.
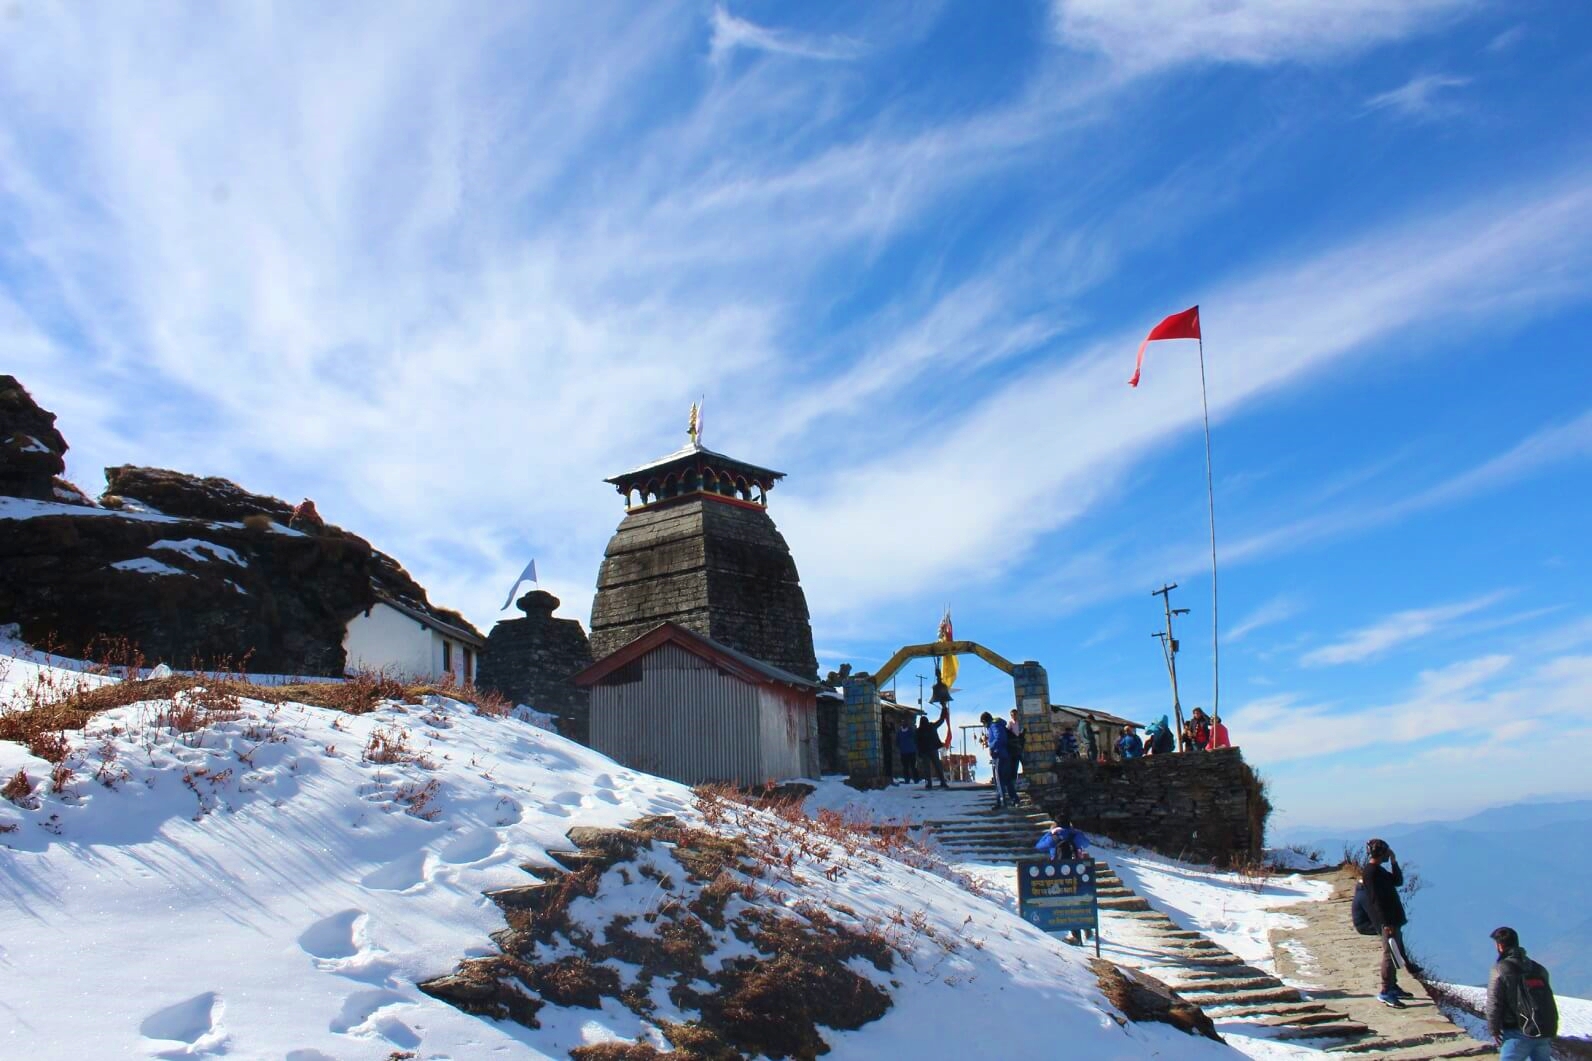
(1360, 912)
(1535, 1007)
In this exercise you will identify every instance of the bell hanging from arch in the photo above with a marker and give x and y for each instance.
(941, 695)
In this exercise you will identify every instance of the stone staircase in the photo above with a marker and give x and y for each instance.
(1240, 998)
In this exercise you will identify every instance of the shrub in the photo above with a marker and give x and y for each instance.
(19, 789)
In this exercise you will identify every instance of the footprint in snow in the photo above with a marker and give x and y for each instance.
(307, 1055)
(602, 781)
(471, 845)
(332, 937)
(190, 1028)
(368, 1013)
(569, 799)
(400, 874)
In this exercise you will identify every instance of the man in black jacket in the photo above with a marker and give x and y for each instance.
(1380, 880)
(1522, 1013)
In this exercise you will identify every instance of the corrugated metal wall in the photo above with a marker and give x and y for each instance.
(684, 720)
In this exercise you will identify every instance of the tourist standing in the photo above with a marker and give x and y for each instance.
(907, 749)
(1019, 739)
(1158, 737)
(1004, 763)
(928, 738)
(1199, 730)
(1129, 746)
(1088, 745)
(1380, 880)
(1522, 1013)
(1067, 744)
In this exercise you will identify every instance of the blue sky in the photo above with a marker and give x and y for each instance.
(444, 268)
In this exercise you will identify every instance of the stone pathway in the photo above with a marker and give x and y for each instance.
(1326, 950)
(1240, 998)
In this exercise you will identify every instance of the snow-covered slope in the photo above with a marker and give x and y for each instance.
(278, 881)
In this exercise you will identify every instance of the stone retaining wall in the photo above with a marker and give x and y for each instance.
(1205, 806)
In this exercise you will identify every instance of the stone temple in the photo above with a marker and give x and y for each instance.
(697, 547)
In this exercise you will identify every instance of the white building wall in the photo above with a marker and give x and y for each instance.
(387, 639)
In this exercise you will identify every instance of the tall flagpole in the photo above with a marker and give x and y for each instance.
(1210, 498)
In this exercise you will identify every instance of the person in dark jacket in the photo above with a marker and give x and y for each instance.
(1522, 1013)
(1158, 739)
(1088, 745)
(1129, 746)
(1199, 731)
(1067, 744)
(1002, 758)
(907, 749)
(1380, 880)
(929, 750)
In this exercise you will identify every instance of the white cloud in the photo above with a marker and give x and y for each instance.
(1157, 33)
(1273, 611)
(1397, 629)
(1422, 96)
(730, 33)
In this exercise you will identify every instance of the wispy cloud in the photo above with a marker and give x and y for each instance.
(1395, 630)
(1422, 96)
(1273, 611)
(1157, 33)
(731, 33)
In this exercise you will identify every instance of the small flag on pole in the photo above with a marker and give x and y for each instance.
(528, 574)
(1185, 325)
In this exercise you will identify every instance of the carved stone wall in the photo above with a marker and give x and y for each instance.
(532, 660)
(1207, 806)
(718, 568)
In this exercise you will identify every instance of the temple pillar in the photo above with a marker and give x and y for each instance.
(859, 728)
(1032, 686)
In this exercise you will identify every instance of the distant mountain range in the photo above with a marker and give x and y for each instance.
(1527, 865)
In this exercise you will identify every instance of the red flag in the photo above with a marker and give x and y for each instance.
(1185, 325)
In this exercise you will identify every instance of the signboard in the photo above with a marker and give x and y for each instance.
(1059, 897)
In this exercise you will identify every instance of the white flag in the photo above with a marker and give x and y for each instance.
(528, 573)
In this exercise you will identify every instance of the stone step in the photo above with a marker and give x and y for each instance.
(1132, 902)
(1219, 1000)
(1345, 1029)
(1438, 1044)
(1276, 1009)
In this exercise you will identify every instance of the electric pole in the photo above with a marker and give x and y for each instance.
(920, 678)
(1169, 650)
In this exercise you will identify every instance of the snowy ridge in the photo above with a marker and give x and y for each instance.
(275, 880)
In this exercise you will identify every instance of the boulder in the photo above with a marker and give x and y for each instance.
(32, 451)
(195, 571)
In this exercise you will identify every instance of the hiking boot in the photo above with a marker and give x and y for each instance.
(1387, 998)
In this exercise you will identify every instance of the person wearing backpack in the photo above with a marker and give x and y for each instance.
(1377, 906)
(1521, 1012)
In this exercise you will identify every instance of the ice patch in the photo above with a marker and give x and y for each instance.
(145, 565)
(201, 551)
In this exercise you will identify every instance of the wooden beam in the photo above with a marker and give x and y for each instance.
(939, 648)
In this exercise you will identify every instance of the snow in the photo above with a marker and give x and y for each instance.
(145, 565)
(27, 508)
(202, 551)
(256, 888)
(1575, 1014)
(33, 446)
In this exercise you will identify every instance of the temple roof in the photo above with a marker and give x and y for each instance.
(692, 453)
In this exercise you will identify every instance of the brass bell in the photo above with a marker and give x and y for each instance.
(941, 695)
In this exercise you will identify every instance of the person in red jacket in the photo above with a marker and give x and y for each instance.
(1219, 738)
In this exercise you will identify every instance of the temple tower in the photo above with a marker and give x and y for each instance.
(697, 547)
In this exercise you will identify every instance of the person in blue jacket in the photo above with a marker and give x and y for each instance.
(1158, 737)
(1063, 842)
(1129, 746)
(1003, 757)
(907, 749)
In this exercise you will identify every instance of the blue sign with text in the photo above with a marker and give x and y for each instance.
(1058, 896)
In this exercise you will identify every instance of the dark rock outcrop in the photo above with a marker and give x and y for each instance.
(531, 661)
(187, 570)
(1142, 998)
(32, 451)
